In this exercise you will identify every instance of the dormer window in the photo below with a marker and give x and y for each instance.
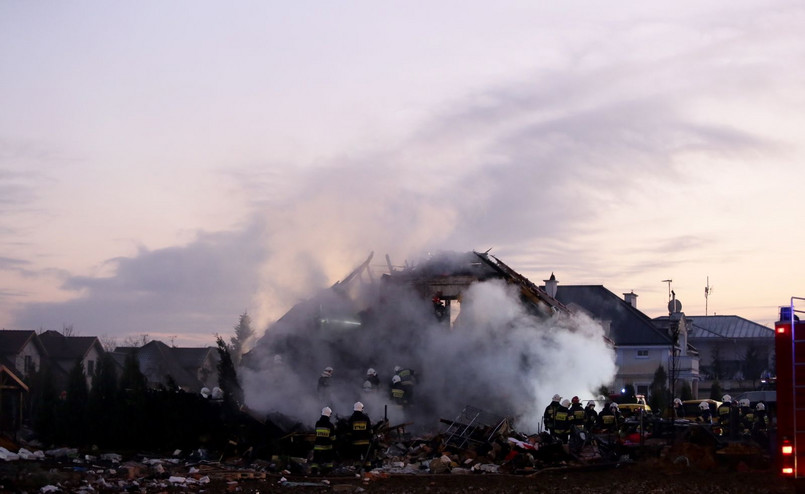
(642, 354)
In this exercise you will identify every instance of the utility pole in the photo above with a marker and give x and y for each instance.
(707, 291)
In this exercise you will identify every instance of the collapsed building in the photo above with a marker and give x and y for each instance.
(474, 330)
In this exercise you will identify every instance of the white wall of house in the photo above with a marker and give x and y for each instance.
(29, 360)
(90, 361)
(637, 365)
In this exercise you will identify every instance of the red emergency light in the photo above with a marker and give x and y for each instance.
(787, 451)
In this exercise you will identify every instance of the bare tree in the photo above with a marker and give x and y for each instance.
(136, 341)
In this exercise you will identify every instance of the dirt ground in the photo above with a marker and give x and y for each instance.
(645, 477)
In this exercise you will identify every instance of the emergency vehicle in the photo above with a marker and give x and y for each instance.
(789, 345)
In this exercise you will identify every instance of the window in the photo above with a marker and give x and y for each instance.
(90, 367)
(642, 354)
(29, 365)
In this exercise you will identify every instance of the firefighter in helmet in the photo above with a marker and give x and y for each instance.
(323, 453)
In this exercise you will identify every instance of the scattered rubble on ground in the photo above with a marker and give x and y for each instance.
(477, 448)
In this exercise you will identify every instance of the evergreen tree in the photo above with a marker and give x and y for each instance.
(658, 392)
(102, 402)
(715, 391)
(227, 376)
(685, 393)
(718, 364)
(752, 364)
(44, 405)
(239, 342)
(75, 417)
(133, 403)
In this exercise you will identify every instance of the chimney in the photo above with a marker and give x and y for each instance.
(631, 298)
(551, 285)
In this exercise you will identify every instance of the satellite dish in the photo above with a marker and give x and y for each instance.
(674, 306)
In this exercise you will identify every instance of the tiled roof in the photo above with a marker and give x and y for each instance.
(628, 326)
(727, 327)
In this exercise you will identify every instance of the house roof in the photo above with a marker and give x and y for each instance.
(705, 327)
(158, 361)
(628, 326)
(13, 341)
(61, 347)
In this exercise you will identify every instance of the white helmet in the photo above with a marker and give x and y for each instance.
(591, 403)
(726, 398)
(397, 368)
(217, 393)
(327, 372)
(565, 403)
(358, 407)
(371, 372)
(677, 401)
(704, 405)
(205, 392)
(278, 359)
(367, 385)
(613, 406)
(760, 406)
(556, 398)
(744, 402)
(395, 379)
(326, 411)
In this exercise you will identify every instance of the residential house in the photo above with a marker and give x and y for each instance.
(65, 352)
(21, 355)
(189, 369)
(736, 348)
(640, 345)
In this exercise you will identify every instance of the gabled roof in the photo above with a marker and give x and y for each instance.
(628, 326)
(158, 361)
(72, 348)
(704, 327)
(13, 341)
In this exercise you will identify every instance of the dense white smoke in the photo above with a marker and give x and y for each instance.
(497, 357)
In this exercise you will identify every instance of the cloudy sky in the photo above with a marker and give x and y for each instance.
(166, 166)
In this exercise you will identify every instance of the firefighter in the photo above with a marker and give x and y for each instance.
(360, 427)
(397, 392)
(723, 411)
(550, 412)
(371, 376)
(323, 453)
(323, 388)
(747, 416)
(590, 417)
(576, 414)
(761, 417)
(679, 409)
(705, 414)
(609, 418)
(407, 380)
(760, 427)
(561, 421)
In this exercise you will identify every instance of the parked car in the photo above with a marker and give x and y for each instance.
(630, 409)
(693, 412)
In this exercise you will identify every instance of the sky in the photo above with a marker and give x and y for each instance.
(166, 167)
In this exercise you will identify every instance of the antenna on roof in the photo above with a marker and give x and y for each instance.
(707, 291)
(669, 288)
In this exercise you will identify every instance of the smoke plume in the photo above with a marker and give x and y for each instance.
(496, 356)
